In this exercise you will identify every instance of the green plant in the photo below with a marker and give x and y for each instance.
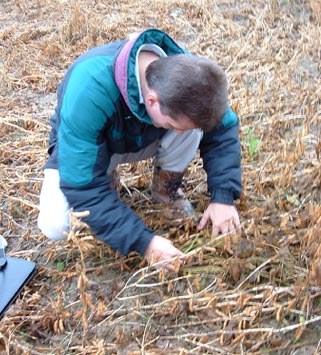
(60, 266)
(253, 143)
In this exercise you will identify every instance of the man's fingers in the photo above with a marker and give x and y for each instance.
(237, 224)
(203, 222)
(225, 228)
(215, 231)
(170, 264)
(230, 226)
(162, 254)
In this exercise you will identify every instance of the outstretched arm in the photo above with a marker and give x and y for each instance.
(221, 153)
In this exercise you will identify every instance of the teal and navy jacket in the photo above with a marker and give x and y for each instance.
(98, 114)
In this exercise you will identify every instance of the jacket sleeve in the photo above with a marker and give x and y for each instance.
(110, 219)
(87, 105)
(221, 153)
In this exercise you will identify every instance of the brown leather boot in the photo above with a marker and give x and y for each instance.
(166, 190)
(115, 180)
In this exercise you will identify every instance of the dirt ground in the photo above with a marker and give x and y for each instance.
(262, 297)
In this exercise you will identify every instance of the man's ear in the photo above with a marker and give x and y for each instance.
(151, 98)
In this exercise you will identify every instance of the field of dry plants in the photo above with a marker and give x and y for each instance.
(256, 293)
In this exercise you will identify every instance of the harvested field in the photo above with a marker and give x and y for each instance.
(256, 293)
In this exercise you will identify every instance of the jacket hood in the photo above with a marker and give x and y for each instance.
(125, 62)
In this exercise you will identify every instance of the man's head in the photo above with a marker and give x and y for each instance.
(188, 89)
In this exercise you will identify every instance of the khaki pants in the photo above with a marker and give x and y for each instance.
(173, 152)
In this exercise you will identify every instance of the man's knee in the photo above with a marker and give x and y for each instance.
(53, 229)
(53, 219)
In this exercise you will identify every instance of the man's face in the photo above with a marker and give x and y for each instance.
(159, 120)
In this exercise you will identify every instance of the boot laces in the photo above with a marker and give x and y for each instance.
(172, 187)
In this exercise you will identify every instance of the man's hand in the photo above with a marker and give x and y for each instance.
(224, 219)
(161, 249)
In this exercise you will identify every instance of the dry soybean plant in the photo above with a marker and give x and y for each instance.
(255, 293)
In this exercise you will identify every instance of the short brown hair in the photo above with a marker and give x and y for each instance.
(189, 85)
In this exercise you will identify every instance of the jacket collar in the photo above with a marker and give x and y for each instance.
(125, 63)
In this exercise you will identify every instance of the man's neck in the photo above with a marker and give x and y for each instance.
(144, 59)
